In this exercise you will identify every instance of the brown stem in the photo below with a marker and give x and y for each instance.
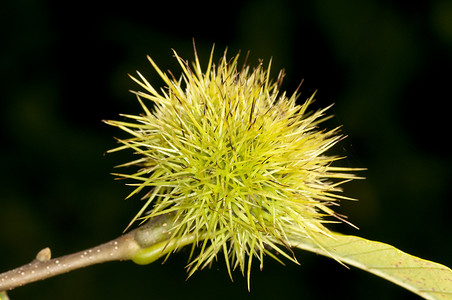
(42, 268)
(121, 248)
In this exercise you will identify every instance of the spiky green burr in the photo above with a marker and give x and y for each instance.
(240, 165)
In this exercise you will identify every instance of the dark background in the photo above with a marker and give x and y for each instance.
(63, 69)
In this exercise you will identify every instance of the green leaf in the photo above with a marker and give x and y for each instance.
(425, 278)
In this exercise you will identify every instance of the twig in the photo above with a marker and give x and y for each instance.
(39, 268)
(121, 248)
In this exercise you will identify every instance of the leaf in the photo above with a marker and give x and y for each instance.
(428, 279)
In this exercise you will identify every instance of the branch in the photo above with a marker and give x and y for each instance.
(124, 247)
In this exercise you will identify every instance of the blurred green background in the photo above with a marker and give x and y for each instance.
(63, 69)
